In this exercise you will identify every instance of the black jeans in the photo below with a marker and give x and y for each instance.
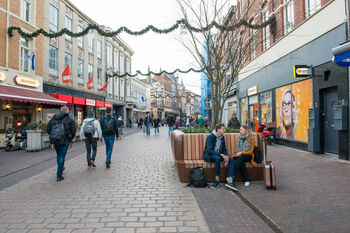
(240, 166)
(91, 142)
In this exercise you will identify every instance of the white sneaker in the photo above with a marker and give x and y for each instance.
(246, 184)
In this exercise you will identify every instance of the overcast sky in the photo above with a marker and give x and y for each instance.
(154, 50)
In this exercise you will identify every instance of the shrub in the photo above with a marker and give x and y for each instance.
(32, 126)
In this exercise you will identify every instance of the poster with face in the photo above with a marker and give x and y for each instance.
(292, 110)
(303, 99)
(285, 103)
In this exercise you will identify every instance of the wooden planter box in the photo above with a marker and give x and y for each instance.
(34, 140)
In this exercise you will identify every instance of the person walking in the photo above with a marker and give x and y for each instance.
(61, 129)
(91, 132)
(234, 122)
(141, 122)
(109, 126)
(171, 122)
(156, 124)
(148, 122)
(201, 122)
(120, 126)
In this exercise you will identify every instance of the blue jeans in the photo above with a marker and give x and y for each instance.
(61, 151)
(218, 159)
(109, 141)
(171, 129)
(148, 129)
(156, 129)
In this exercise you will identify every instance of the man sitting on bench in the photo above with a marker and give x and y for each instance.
(215, 151)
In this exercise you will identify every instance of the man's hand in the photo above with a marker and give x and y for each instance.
(238, 154)
(101, 140)
(117, 138)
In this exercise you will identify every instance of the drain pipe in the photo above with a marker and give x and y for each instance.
(7, 35)
(347, 15)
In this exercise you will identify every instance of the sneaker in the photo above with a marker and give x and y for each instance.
(93, 163)
(108, 164)
(246, 184)
(215, 184)
(231, 186)
(89, 166)
(60, 178)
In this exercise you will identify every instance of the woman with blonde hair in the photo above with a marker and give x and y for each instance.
(244, 152)
(288, 123)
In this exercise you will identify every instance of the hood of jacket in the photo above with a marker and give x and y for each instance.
(59, 116)
(216, 135)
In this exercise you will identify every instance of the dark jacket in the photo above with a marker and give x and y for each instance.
(102, 122)
(148, 121)
(156, 123)
(170, 120)
(210, 147)
(234, 124)
(68, 123)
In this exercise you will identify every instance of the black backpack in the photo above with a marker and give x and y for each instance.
(257, 155)
(89, 129)
(57, 135)
(108, 127)
(197, 178)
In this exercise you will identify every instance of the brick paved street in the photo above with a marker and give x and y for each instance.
(140, 193)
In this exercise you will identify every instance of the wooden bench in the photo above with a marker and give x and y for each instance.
(188, 153)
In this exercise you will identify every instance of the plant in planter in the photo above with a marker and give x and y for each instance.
(32, 126)
(33, 137)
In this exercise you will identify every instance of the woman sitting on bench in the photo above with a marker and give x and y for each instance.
(244, 152)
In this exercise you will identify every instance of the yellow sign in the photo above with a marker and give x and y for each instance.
(252, 90)
(29, 82)
(2, 76)
(301, 71)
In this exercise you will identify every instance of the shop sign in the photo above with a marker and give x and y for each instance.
(29, 82)
(2, 76)
(301, 71)
(252, 90)
(90, 102)
(108, 105)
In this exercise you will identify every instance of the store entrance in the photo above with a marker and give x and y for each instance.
(253, 117)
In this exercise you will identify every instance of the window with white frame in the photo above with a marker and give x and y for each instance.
(68, 61)
(24, 54)
(266, 32)
(311, 6)
(116, 60)
(99, 49)
(91, 42)
(69, 27)
(80, 71)
(80, 39)
(53, 18)
(109, 56)
(252, 44)
(128, 66)
(99, 77)
(122, 64)
(53, 61)
(90, 73)
(26, 10)
(288, 16)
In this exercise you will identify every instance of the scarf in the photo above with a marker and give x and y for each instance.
(218, 146)
(242, 144)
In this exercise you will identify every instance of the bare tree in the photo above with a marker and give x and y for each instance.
(222, 53)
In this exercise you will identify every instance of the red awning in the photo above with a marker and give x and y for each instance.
(67, 98)
(108, 105)
(78, 100)
(11, 93)
(100, 103)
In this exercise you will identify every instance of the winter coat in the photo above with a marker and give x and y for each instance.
(210, 144)
(98, 130)
(234, 124)
(68, 123)
(102, 123)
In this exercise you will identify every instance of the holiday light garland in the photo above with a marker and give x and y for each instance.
(175, 96)
(155, 73)
(271, 21)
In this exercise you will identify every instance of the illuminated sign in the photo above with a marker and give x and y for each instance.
(2, 76)
(302, 71)
(90, 102)
(252, 90)
(29, 82)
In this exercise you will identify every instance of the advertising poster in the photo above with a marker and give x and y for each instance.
(292, 110)
(302, 92)
(284, 112)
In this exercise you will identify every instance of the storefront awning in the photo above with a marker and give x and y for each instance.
(100, 103)
(78, 100)
(24, 95)
(66, 98)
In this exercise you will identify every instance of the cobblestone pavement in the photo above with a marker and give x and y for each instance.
(139, 193)
(313, 192)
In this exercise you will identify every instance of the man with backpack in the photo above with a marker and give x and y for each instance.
(109, 126)
(170, 120)
(61, 129)
(90, 132)
(148, 123)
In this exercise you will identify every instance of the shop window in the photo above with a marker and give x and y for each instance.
(288, 16)
(53, 18)
(244, 111)
(24, 54)
(26, 10)
(266, 106)
(80, 71)
(80, 39)
(68, 27)
(53, 61)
